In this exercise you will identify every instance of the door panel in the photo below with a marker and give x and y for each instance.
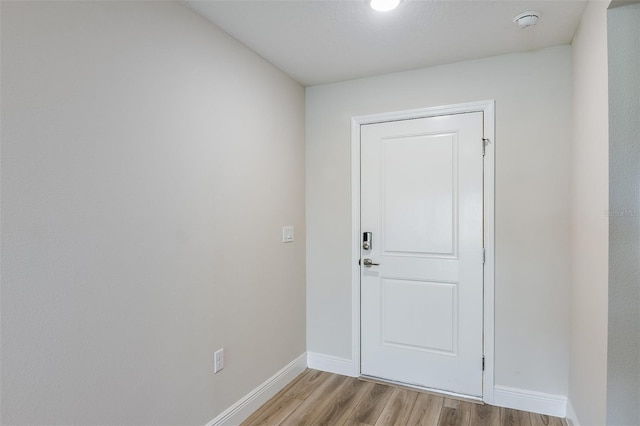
(420, 192)
(421, 198)
(419, 303)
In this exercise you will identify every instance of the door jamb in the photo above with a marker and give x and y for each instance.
(488, 108)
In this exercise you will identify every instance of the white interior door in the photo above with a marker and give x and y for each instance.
(422, 299)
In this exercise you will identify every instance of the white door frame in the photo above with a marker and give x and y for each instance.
(488, 107)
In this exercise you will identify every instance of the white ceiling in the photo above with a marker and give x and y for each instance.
(325, 41)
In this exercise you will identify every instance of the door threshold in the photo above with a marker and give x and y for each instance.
(435, 392)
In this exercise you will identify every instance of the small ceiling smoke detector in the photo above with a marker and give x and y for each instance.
(527, 19)
(384, 5)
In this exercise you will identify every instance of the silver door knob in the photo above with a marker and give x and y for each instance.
(369, 263)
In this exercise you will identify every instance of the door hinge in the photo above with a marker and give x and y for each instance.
(485, 141)
(484, 255)
(482, 362)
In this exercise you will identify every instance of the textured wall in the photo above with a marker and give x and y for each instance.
(533, 142)
(623, 373)
(149, 162)
(589, 220)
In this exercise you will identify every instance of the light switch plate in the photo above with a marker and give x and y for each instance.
(287, 234)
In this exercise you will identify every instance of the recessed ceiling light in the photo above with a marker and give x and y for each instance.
(384, 5)
(527, 19)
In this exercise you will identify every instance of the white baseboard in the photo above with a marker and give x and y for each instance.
(503, 396)
(572, 418)
(332, 364)
(247, 405)
(526, 400)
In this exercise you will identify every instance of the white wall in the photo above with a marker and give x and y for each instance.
(623, 373)
(589, 220)
(148, 164)
(533, 109)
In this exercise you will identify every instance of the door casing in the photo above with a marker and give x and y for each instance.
(488, 108)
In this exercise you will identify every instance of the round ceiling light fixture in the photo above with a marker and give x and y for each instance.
(384, 5)
(527, 19)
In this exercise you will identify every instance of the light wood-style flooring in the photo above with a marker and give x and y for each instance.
(319, 398)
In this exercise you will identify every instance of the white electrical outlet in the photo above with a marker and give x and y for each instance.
(218, 360)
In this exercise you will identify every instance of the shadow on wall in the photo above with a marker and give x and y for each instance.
(623, 357)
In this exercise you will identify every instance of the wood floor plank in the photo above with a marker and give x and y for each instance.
(319, 398)
(342, 404)
(398, 408)
(509, 417)
(485, 415)
(274, 413)
(276, 399)
(371, 405)
(286, 389)
(426, 410)
(306, 384)
(453, 417)
(544, 420)
(458, 404)
(313, 406)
